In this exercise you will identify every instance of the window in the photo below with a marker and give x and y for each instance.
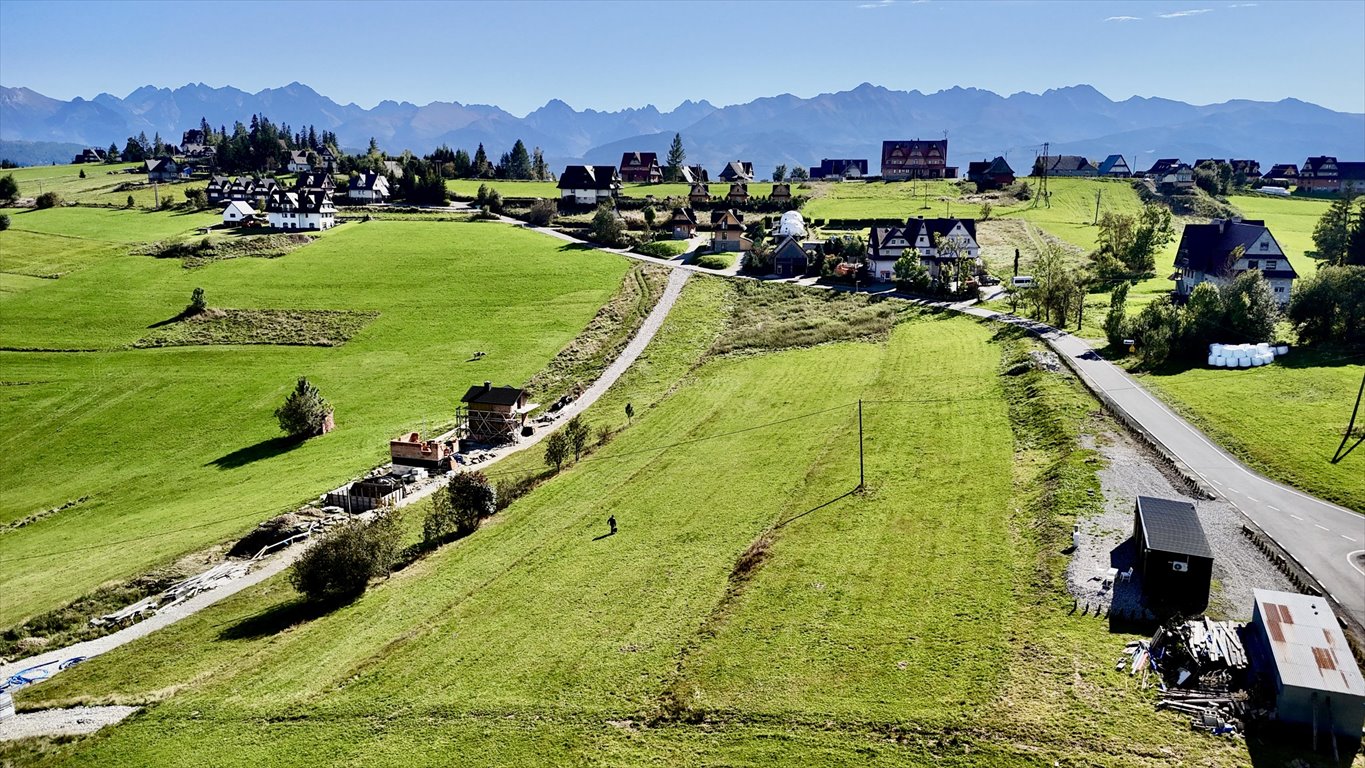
(1279, 289)
(1253, 264)
(1272, 265)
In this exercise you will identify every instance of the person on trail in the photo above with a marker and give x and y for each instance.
(611, 521)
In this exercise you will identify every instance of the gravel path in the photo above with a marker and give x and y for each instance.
(75, 721)
(1132, 470)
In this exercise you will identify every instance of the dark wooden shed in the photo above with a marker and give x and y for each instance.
(1173, 556)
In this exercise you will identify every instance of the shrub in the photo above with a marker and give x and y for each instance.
(556, 450)
(339, 566)
(196, 198)
(1116, 322)
(456, 512)
(9, 188)
(608, 228)
(4, 221)
(715, 261)
(662, 249)
(131, 202)
(304, 412)
(1330, 306)
(197, 303)
(542, 213)
(577, 431)
(48, 200)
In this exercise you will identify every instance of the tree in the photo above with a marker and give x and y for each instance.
(133, 152)
(577, 431)
(481, 168)
(1355, 244)
(82, 173)
(463, 165)
(542, 213)
(131, 202)
(676, 157)
(910, 273)
(304, 412)
(468, 497)
(540, 171)
(556, 450)
(1116, 321)
(1128, 244)
(1157, 328)
(1204, 317)
(48, 200)
(1332, 234)
(9, 188)
(985, 211)
(338, 567)
(780, 173)
(111, 156)
(650, 217)
(519, 162)
(798, 173)
(1251, 308)
(607, 228)
(196, 197)
(1054, 290)
(197, 303)
(4, 221)
(1330, 306)
(630, 413)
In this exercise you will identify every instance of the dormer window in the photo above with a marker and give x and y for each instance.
(1265, 245)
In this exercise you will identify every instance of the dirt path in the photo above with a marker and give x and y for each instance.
(75, 721)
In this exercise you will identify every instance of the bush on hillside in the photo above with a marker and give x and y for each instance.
(4, 221)
(9, 188)
(304, 412)
(338, 567)
(48, 200)
(1330, 306)
(542, 213)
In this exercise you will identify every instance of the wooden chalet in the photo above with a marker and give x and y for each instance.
(790, 259)
(781, 192)
(739, 193)
(492, 414)
(727, 232)
(990, 174)
(916, 159)
(699, 194)
(737, 170)
(684, 223)
(315, 180)
(641, 167)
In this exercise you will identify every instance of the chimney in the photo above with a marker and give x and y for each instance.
(487, 386)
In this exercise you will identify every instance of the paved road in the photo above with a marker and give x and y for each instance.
(1321, 536)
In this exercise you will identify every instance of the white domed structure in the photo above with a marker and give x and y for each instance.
(791, 224)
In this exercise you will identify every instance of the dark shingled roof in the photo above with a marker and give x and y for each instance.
(1066, 163)
(1208, 247)
(1172, 526)
(489, 395)
(589, 177)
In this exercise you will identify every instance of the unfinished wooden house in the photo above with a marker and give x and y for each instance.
(492, 414)
(411, 451)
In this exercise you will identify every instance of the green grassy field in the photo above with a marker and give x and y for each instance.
(1286, 420)
(877, 200)
(469, 187)
(177, 448)
(918, 623)
(100, 184)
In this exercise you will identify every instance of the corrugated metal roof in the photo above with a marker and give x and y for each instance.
(1172, 526)
(1307, 643)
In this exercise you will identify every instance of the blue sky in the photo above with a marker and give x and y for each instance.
(519, 55)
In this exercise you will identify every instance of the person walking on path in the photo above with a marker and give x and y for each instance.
(611, 521)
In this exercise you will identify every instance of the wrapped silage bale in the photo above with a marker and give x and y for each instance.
(1243, 362)
(1283, 349)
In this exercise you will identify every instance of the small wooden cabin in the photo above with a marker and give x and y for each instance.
(492, 414)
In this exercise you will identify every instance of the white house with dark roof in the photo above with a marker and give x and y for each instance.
(1224, 249)
(298, 162)
(368, 188)
(236, 212)
(885, 245)
(589, 184)
(309, 209)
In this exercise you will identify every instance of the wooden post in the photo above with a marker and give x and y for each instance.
(861, 479)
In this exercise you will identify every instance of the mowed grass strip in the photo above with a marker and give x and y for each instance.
(314, 327)
(178, 448)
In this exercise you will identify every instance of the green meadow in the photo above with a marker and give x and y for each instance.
(751, 610)
(170, 450)
(469, 187)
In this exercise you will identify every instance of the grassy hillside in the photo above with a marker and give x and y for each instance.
(468, 188)
(100, 185)
(176, 448)
(919, 623)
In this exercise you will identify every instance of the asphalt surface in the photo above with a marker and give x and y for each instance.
(1320, 535)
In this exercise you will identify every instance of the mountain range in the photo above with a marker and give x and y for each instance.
(774, 130)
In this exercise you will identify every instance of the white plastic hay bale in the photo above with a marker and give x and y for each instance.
(1220, 361)
(1243, 362)
(1216, 350)
(1283, 349)
(1213, 360)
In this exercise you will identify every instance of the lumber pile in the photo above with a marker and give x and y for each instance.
(1199, 668)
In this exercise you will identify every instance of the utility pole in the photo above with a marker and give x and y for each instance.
(1338, 456)
(1016, 262)
(1098, 192)
(1042, 188)
(861, 478)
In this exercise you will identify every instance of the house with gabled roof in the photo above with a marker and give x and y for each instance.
(1224, 249)
(885, 245)
(1177, 179)
(693, 174)
(298, 162)
(727, 231)
(790, 259)
(1071, 165)
(161, 169)
(737, 170)
(1114, 167)
(916, 159)
(1286, 172)
(308, 209)
(91, 155)
(237, 212)
(739, 194)
(492, 414)
(1325, 174)
(315, 180)
(782, 192)
(839, 169)
(641, 167)
(589, 184)
(990, 174)
(1161, 167)
(217, 189)
(367, 188)
(699, 194)
(684, 223)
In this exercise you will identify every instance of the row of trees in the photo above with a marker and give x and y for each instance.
(517, 163)
(1339, 236)
(1242, 310)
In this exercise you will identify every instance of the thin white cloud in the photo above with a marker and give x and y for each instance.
(1242, 5)
(1124, 18)
(1180, 14)
(878, 4)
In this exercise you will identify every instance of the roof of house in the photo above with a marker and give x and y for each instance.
(160, 164)
(242, 208)
(700, 190)
(639, 159)
(314, 179)
(739, 189)
(781, 190)
(298, 156)
(1108, 163)
(1351, 171)
(997, 167)
(684, 216)
(838, 167)
(913, 228)
(1065, 163)
(1163, 166)
(369, 180)
(789, 250)
(896, 153)
(1172, 526)
(1307, 644)
(589, 177)
(692, 174)
(305, 200)
(1313, 164)
(1282, 171)
(1209, 248)
(487, 394)
(737, 169)
(729, 217)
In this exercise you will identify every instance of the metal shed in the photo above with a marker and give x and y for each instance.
(1298, 644)
(1173, 556)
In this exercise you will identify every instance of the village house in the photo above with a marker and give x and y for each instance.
(885, 246)
(1161, 167)
(727, 232)
(492, 414)
(641, 167)
(410, 451)
(781, 192)
(693, 174)
(684, 223)
(1178, 179)
(790, 259)
(699, 194)
(368, 188)
(1326, 174)
(1282, 172)
(315, 180)
(738, 195)
(217, 189)
(990, 174)
(1224, 249)
(589, 184)
(839, 169)
(91, 155)
(237, 212)
(737, 170)
(298, 162)
(309, 209)
(161, 169)
(194, 146)
(916, 159)
(1070, 165)
(1114, 167)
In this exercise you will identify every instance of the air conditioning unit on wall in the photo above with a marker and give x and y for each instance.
(1180, 567)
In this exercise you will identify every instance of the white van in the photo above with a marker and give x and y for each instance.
(1022, 281)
